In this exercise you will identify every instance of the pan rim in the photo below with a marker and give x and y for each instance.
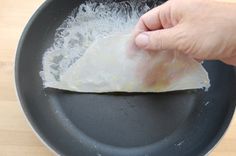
(20, 99)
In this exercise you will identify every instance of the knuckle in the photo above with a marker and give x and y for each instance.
(184, 43)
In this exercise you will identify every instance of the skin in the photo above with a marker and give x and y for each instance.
(202, 29)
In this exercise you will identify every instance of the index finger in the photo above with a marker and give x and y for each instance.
(153, 19)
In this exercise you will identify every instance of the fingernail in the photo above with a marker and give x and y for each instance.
(142, 40)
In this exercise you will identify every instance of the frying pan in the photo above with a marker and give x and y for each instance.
(177, 123)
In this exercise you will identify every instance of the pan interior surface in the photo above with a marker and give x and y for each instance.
(175, 123)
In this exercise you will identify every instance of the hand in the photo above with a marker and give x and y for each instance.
(202, 29)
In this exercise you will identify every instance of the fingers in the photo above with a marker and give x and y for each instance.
(155, 29)
(152, 20)
(164, 39)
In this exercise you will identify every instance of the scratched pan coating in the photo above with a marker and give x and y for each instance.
(180, 123)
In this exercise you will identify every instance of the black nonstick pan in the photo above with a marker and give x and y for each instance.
(181, 123)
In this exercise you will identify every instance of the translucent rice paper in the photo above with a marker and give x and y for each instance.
(107, 67)
(90, 54)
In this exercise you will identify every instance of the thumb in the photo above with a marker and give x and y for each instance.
(163, 39)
